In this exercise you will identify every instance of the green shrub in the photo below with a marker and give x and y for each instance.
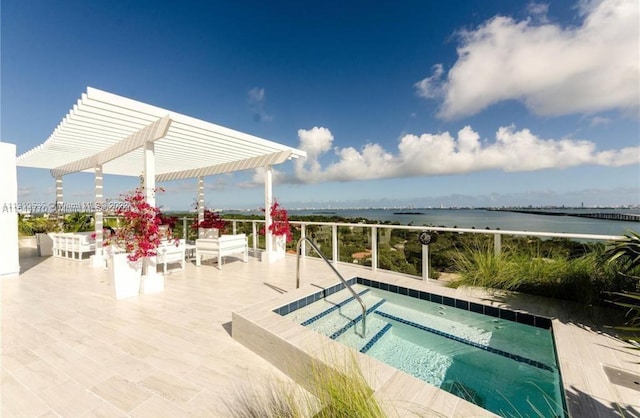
(536, 270)
(36, 225)
(624, 258)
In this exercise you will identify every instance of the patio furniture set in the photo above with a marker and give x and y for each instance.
(75, 245)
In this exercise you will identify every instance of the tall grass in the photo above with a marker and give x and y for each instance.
(340, 391)
(533, 271)
(335, 388)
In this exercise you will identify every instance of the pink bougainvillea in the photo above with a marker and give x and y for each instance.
(279, 221)
(138, 233)
(211, 220)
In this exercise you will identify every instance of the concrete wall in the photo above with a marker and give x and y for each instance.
(9, 261)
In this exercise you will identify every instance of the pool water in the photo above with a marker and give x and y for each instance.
(504, 366)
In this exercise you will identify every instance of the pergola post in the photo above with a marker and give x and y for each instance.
(268, 200)
(149, 173)
(59, 195)
(98, 257)
(149, 184)
(200, 205)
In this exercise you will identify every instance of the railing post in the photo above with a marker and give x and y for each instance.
(425, 263)
(233, 226)
(184, 228)
(497, 243)
(334, 243)
(303, 236)
(374, 249)
(254, 233)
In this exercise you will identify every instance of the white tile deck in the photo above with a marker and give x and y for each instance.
(69, 349)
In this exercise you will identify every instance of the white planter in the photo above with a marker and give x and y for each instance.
(209, 233)
(125, 276)
(152, 282)
(280, 244)
(278, 249)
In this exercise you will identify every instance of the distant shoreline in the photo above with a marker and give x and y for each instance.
(408, 213)
(610, 216)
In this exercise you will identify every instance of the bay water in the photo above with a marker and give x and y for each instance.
(491, 219)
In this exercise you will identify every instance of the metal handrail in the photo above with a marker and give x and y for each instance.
(355, 295)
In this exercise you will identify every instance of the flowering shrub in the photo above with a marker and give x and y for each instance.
(168, 220)
(138, 234)
(279, 221)
(211, 220)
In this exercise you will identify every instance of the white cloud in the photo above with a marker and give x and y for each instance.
(257, 99)
(599, 120)
(315, 141)
(256, 95)
(538, 9)
(553, 70)
(443, 154)
(431, 87)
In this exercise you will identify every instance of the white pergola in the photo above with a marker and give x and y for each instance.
(108, 134)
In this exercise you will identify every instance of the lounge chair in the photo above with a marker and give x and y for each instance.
(221, 247)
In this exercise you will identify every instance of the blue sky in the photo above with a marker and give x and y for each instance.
(396, 103)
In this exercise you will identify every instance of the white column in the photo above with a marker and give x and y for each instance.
(149, 263)
(200, 204)
(9, 259)
(150, 172)
(98, 258)
(59, 194)
(268, 200)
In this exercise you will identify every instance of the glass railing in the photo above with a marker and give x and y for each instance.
(398, 248)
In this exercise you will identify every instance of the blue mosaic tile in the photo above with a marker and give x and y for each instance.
(508, 315)
(331, 309)
(356, 320)
(521, 317)
(542, 322)
(447, 301)
(467, 342)
(462, 304)
(375, 338)
(525, 318)
(492, 311)
(476, 307)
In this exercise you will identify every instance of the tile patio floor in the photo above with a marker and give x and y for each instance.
(69, 349)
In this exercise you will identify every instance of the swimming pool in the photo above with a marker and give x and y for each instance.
(501, 360)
